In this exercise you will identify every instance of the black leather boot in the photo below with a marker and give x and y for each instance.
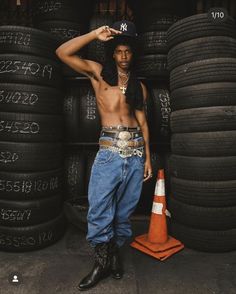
(116, 262)
(101, 268)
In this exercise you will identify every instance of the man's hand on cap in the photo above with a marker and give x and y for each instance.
(105, 33)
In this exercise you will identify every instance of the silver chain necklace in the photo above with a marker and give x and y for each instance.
(123, 86)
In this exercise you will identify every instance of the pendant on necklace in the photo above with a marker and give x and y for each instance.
(123, 89)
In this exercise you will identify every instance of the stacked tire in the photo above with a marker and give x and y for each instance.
(152, 63)
(31, 164)
(78, 163)
(202, 63)
(158, 109)
(80, 113)
(65, 19)
(82, 129)
(153, 18)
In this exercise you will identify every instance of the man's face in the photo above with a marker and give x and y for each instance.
(123, 56)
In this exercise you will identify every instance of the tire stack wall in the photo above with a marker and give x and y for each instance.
(202, 64)
(16, 12)
(31, 151)
(82, 130)
(80, 113)
(152, 20)
(78, 164)
(158, 109)
(65, 19)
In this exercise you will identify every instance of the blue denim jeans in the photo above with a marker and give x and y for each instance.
(114, 190)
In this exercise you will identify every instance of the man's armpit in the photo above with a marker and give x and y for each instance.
(91, 75)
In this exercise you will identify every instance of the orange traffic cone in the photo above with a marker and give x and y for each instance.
(157, 243)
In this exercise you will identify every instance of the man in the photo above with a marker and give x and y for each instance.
(123, 160)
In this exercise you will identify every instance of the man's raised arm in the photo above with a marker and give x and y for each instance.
(67, 51)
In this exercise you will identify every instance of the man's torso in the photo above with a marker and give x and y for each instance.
(112, 106)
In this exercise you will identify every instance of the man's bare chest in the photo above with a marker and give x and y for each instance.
(110, 93)
(110, 98)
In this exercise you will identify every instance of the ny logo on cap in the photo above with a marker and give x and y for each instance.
(123, 27)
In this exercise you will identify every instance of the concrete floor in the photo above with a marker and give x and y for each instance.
(59, 268)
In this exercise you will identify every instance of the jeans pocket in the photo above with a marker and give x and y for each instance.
(140, 161)
(104, 156)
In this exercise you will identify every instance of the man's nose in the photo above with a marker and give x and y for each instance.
(123, 56)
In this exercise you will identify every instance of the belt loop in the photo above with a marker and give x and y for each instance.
(116, 135)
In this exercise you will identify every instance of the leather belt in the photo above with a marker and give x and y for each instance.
(116, 134)
(125, 152)
(121, 143)
(121, 128)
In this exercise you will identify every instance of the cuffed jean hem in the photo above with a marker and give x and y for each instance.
(105, 239)
(119, 242)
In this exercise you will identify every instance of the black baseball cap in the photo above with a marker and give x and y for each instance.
(126, 27)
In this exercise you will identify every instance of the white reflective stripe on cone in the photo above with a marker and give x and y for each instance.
(157, 208)
(160, 187)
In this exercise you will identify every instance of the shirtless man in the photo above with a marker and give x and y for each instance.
(123, 160)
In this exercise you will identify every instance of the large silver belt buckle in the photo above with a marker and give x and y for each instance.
(124, 152)
(123, 136)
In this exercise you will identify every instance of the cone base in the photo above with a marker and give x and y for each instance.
(157, 247)
(162, 255)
